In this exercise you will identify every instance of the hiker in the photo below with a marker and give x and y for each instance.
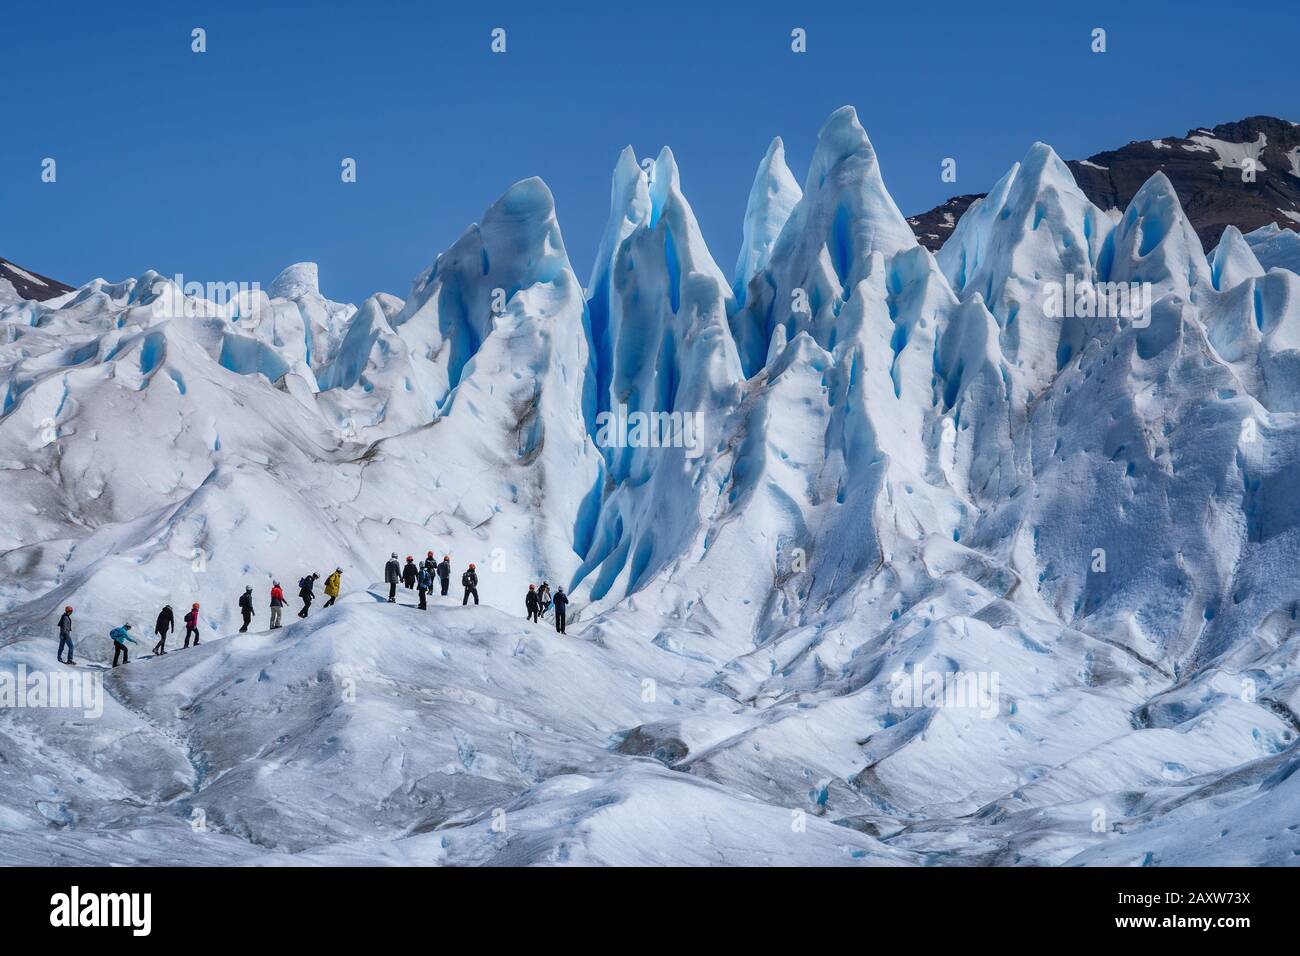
(277, 604)
(246, 607)
(65, 635)
(425, 581)
(392, 574)
(410, 573)
(469, 581)
(543, 599)
(332, 587)
(532, 604)
(444, 573)
(120, 636)
(306, 592)
(192, 625)
(561, 602)
(166, 622)
(431, 563)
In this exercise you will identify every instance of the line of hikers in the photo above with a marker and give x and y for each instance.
(418, 577)
(421, 578)
(121, 636)
(165, 625)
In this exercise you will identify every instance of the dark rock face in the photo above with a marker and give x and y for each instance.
(934, 227)
(1207, 168)
(30, 285)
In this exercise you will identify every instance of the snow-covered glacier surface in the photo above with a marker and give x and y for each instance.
(960, 566)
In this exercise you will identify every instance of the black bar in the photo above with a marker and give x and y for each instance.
(209, 905)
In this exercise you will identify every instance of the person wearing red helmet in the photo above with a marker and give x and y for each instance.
(469, 581)
(410, 573)
(65, 635)
(444, 573)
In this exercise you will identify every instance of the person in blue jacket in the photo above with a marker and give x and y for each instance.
(120, 636)
(425, 581)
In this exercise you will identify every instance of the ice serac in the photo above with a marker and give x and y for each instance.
(771, 200)
(1154, 243)
(844, 215)
(1275, 247)
(660, 310)
(983, 415)
(629, 208)
(1034, 227)
(1232, 261)
(376, 384)
(302, 321)
(297, 281)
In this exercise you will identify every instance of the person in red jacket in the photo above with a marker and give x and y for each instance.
(277, 604)
(192, 625)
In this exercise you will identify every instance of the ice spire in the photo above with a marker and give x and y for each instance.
(1155, 243)
(771, 200)
(1233, 261)
(824, 249)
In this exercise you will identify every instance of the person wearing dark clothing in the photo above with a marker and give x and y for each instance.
(392, 575)
(192, 626)
(307, 593)
(65, 636)
(444, 573)
(425, 582)
(166, 623)
(543, 599)
(561, 601)
(410, 573)
(532, 604)
(431, 563)
(120, 636)
(246, 607)
(469, 581)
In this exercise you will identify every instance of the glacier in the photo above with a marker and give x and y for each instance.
(912, 477)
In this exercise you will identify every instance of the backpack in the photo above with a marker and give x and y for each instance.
(305, 584)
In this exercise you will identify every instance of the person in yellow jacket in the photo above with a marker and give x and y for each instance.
(332, 586)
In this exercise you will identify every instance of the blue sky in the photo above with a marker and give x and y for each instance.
(225, 165)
